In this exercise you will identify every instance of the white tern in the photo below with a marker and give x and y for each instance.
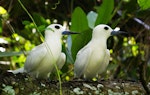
(93, 58)
(40, 61)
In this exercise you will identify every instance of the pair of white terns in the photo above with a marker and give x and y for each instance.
(91, 60)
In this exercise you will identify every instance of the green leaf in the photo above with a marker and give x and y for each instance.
(25, 22)
(144, 4)
(79, 20)
(91, 19)
(6, 54)
(80, 41)
(105, 12)
(39, 20)
(0, 26)
(79, 24)
(41, 28)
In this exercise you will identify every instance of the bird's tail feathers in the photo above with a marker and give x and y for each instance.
(20, 70)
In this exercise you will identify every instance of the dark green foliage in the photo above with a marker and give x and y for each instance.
(105, 12)
(79, 24)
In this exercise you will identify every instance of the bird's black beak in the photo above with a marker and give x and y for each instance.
(69, 33)
(118, 32)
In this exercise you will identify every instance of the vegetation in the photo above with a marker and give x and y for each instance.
(23, 22)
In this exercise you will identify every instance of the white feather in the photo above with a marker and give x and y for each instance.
(42, 59)
(94, 58)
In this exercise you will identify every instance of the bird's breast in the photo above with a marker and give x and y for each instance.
(96, 61)
(54, 48)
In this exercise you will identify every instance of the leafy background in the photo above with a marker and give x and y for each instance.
(20, 32)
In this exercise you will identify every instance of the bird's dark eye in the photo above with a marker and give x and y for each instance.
(57, 27)
(106, 28)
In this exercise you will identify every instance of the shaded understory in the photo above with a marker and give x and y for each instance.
(22, 84)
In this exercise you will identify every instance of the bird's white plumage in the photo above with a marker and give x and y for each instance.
(94, 58)
(83, 56)
(40, 61)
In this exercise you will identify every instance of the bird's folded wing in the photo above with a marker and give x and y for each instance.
(60, 62)
(20, 70)
(35, 58)
(82, 61)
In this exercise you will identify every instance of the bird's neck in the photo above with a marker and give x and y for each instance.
(53, 43)
(53, 40)
(50, 36)
(102, 42)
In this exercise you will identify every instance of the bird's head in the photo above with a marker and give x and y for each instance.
(54, 29)
(104, 31)
(58, 30)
